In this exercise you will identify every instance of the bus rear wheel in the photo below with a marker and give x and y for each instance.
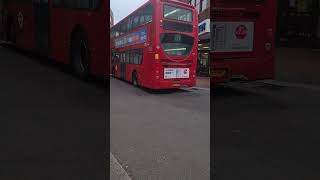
(80, 56)
(135, 79)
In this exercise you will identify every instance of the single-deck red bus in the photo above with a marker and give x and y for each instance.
(68, 31)
(156, 46)
(242, 40)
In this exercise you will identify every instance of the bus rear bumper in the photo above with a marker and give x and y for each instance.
(242, 69)
(175, 84)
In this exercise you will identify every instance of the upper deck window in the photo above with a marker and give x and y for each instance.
(134, 21)
(177, 13)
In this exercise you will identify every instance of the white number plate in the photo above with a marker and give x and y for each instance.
(176, 73)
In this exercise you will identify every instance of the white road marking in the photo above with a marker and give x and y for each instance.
(117, 172)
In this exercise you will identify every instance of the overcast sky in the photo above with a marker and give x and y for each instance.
(122, 8)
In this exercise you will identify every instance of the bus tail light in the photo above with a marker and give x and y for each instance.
(268, 46)
(156, 56)
(157, 77)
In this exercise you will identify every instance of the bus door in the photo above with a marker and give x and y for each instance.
(123, 70)
(41, 19)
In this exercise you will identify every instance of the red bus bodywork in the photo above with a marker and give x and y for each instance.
(151, 72)
(41, 27)
(243, 39)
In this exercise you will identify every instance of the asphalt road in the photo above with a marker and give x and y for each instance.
(297, 65)
(52, 125)
(266, 132)
(160, 135)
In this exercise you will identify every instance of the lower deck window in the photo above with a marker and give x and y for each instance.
(134, 56)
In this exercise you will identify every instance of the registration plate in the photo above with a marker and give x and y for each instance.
(176, 73)
(218, 73)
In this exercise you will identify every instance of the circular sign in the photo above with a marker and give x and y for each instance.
(20, 20)
(241, 32)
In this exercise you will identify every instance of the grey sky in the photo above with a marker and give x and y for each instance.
(122, 8)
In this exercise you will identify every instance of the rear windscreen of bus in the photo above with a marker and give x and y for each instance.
(176, 13)
(176, 44)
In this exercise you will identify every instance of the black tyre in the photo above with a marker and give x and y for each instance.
(80, 55)
(135, 81)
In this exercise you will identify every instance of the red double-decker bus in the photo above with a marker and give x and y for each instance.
(68, 31)
(242, 40)
(156, 45)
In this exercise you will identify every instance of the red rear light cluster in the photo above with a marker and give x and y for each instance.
(268, 44)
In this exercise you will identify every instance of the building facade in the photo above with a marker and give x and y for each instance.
(299, 23)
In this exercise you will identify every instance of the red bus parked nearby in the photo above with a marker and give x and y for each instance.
(242, 42)
(68, 31)
(156, 46)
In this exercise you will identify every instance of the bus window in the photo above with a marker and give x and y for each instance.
(176, 13)
(176, 44)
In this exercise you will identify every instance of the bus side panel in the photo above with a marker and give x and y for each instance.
(97, 37)
(26, 35)
(24, 28)
(148, 58)
(61, 25)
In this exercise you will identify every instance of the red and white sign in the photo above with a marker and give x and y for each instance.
(176, 73)
(233, 36)
(241, 32)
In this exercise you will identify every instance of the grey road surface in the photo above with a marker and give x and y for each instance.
(160, 135)
(52, 125)
(266, 132)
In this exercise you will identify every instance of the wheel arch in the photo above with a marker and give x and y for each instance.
(77, 29)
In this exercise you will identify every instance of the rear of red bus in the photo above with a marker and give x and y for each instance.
(175, 45)
(159, 54)
(242, 40)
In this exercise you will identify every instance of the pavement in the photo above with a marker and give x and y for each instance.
(203, 82)
(160, 135)
(53, 125)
